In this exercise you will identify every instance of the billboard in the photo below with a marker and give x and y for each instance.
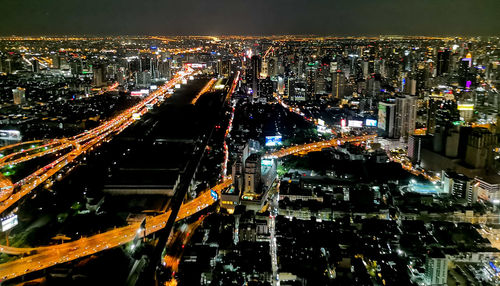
(382, 112)
(343, 123)
(355, 123)
(266, 162)
(214, 195)
(465, 106)
(323, 129)
(371, 122)
(9, 222)
(272, 141)
(321, 122)
(10, 134)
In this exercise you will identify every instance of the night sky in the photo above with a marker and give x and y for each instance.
(246, 17)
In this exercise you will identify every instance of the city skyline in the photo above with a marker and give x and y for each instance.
(257, 143)
(194, 17)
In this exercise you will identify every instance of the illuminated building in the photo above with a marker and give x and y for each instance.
(98, 76)
(414, 148)
(310, 81)
(386, 117)
(459, 186)
(252, 176)
(405, 116)
(338, 84)
(19, 95)
(443, 62)
(436, 268)
(479, 148)
(254, 75)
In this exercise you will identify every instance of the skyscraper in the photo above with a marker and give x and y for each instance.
(252, 174)
(19, 95)
(405, 117)
(479, 148)
(254, 75)
(443, 62)
(386, 115)
(338, 84)
(436, 268)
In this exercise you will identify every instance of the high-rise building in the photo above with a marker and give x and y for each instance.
(338, 84)
(480, 146)
(386, 117)
(98, 76)
(237, 170)
(310, 81)
(414, 148)
(252, 175)
(254, 75)
(441, 113)
(19, 95)
(35, 66)
(405, 116)
(56, 61)
(459, 186)
(443, 62)
(436, 268)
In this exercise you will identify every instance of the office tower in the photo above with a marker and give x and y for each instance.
(264, 69)
(35, 66)
(405, 116)
(252, 174)
(98, 76)
(120, 76)
(280, 86)
(242, 154)
(143, 79)
(255, 67)
(56, 61)
(465, 76)
(338, 84)
(436, 268)
(443, 62)
(441, 112)
(310, 81)
(459, 186)
(414, 148)
(386, 117)
(272, 67)
(19, 95)
(224, 67)
(366, 71)
(480, 146)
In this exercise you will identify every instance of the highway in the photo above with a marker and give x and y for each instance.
(47, 256)
(297, 111)
(229, 126)
(408, 166)
(204, 90)
(76, 145)
(317, 146)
